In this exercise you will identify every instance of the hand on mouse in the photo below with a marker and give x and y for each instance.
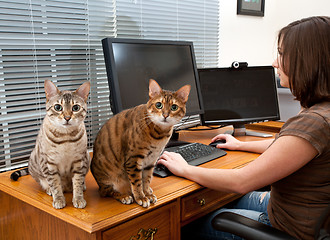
(230, 142)
(214, 144)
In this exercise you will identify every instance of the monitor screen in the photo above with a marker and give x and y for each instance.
(130, 63)
(237, 96)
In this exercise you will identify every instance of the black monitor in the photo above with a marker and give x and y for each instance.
(130, 63)
(236, 96)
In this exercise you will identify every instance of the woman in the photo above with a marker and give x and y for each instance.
(297, 163)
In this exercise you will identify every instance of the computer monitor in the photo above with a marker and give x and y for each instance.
(238, 96)
(130, 63)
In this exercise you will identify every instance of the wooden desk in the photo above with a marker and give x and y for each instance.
(26, 212)
(270, 126)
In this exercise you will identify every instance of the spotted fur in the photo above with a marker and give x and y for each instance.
(129, 144)
(60, 160)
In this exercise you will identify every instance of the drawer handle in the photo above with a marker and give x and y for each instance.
(201, 201)
(145, 234)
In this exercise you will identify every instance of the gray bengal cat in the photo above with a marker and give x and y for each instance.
(60, 160)
(129, 144)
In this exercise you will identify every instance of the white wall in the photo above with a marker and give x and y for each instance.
(253, 39)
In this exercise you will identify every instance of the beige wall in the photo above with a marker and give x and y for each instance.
(252, 39)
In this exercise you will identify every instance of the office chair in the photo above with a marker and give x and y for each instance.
(250, 229)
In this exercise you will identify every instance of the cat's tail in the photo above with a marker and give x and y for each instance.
(22, 172)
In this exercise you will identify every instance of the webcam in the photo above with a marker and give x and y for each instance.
(237, 65)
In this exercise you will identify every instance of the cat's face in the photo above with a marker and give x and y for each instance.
(66, 108)
(166, 108)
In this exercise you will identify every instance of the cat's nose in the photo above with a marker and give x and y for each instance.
(67, 118)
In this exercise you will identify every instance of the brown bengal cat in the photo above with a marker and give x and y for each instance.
(129, 144)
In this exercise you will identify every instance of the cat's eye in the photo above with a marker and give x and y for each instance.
(75, 108)
(58, 107)
(174, 107)
(159, 105)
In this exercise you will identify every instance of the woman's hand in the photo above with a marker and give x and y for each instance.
(174, 162)
(231, 142)
(251, 146)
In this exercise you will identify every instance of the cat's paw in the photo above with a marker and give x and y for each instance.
(48, 191)
(144, 202)
(59, 203)
(149, 194)
(79, 202)
(152, 198)
(127, 200)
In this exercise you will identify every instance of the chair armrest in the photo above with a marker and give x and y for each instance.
(246, 227)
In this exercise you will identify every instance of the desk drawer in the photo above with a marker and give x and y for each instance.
(202, 202)
(162, 223)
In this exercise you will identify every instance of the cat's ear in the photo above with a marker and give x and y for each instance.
(183, 93)
(50, 89)
(154, 88)
(83, 90)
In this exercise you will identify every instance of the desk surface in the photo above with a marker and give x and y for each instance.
(270, 126)
(101, 213)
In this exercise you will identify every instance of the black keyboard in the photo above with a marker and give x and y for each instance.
(194, 153)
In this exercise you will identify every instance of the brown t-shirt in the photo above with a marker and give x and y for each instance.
(298, 200)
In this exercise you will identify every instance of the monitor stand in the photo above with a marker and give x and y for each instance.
(240, 130)
(174, 140)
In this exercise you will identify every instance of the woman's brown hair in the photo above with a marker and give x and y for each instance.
(305, 49)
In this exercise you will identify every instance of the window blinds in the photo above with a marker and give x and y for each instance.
(60, 40)
(193, 20)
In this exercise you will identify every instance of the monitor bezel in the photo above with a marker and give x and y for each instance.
(240, 121)
(115, 97)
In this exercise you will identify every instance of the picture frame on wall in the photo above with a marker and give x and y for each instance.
(251, 7)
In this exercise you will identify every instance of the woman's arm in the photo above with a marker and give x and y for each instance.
(233, 144)
(285, 156)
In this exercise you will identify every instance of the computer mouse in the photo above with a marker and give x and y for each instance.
(161, 171)
(214, 144)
